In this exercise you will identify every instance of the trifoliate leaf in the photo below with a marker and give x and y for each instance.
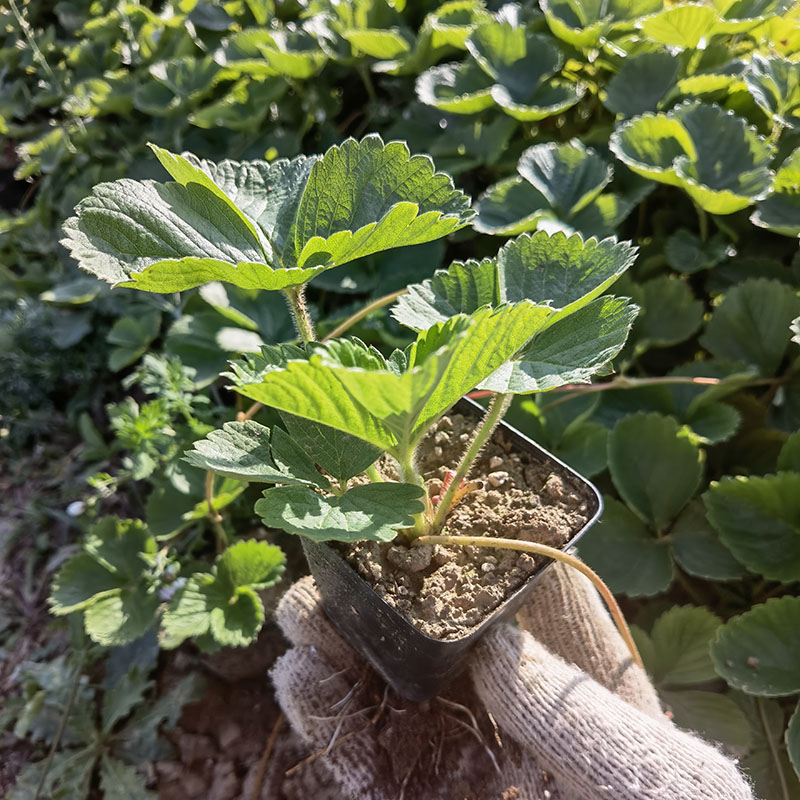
(751, 325)
(629, 558)
(339, 454)
(121, 781)
(562, 272)
(570, 351)
(654, 469)
(774, 84)
(780, 212)
(713, 155)
(521, 65)
(697, 547)
(108, 582)
(245, 451)
(458, 88)
(569, 176)
(373, 511)
(641, 83)
(771, 506)
(250, 563)
(224, 603)
(583, 23)
(680, 644)
(686, 253)
(262, 226)
(789, 458)
(759, 651)
(559, 181)
(687, 26)
(353, 389)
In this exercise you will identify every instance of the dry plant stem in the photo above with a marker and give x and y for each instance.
(493, 416)
(214, 516)
(302, 320)
(243, 416)
(359, 315)
(262, 766)
(557, 555)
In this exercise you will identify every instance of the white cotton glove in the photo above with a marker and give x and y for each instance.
(554, 710)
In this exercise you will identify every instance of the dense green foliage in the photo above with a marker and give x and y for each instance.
(674, 127)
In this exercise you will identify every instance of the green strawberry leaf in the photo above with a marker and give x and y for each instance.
(679, 647)
(774, 83)
(584, 23)
(656, 470)
(758, 652)
(460, 88)
(751, 324)
(570, 351)
(685, 26)
(770, 505)
(260, 225)
(793, 739)
(391, 403)
(713, 155)
(686, 253)
(670, 315)
(120, 618)
(716, 717)
(224, 603)
(363, 197)
(564, 273)
(629, 558)
(375, 511)
(510, 207)
(338, 453)
(780, 212)
(641, 83)
(249, 451)
(79, 582)
(697, 548)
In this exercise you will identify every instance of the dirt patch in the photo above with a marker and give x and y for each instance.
(446, 591)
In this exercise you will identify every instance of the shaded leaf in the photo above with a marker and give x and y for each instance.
(626, 554)
(751, 324)
(739, 507)
(715, 717)
(641, 83)
(759, 651)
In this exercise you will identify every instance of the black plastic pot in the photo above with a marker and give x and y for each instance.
(414, 664)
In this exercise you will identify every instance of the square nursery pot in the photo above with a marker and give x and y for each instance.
(415, 665)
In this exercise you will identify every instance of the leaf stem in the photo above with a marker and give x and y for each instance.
(302, 320)
(359, 315)
(214, 516)
(623, 382)
(773, 748)
(366, 79)
(557, 555)
(702, 219)
(494, 414)
(373, 474)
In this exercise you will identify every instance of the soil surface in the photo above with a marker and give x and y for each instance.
(447, 591)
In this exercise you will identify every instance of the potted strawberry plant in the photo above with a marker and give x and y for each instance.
(423, 525)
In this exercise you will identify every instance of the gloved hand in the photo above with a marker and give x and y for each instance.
(552, 710)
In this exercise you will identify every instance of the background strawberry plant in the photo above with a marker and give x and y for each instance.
(675, 126)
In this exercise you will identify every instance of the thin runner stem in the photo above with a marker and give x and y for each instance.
(213, 515)
(359, 315)
(494, 414)
(557, 555)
